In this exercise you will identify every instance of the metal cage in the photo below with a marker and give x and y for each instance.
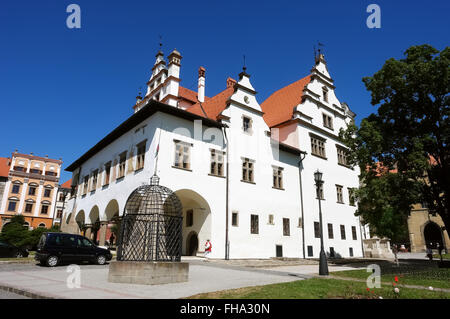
(151, 228)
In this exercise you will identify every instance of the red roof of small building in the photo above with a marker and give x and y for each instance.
(67, 184)
(5, 164)
(279, 106)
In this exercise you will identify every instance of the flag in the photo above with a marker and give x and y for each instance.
(157, 151)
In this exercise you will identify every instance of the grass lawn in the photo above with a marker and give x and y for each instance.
(320, 288)
(444, 256)
(434, 277)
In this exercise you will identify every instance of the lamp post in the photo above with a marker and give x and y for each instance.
(323, 265)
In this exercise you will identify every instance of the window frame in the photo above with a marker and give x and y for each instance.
(318, 146)
(254, 224)
(182, 152)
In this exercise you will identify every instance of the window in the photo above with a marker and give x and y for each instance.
(300, 222)
(319, 192)
(19, 168)
(28, 208)
(107, 173)
(12, 206)
(330, 231)
(50, 173)
(122, 161)
(351, 196)
(354, 233)
(342, 232)
(61, 197)
(247, 124)
(316, 230)
(286, 227)
(94, 180)
(182, 155)
(350, 251)
(310, 251)
(327, 121)
(342, 155)
(59, 213)
(278, 177)
(32, 191)
(189, 218)
(85, 185)
(270, 222)
(325, 94)
(140, 156)
(234, 219)
(15, 189)
(41, 225)
(216, 163)
(340, 196)
(318, 147)
(247, 171)
(254, 227)
(44, 209)
(47, 192)
(35, 171)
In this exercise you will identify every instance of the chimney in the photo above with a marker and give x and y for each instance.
(201, 84)
(230, 82)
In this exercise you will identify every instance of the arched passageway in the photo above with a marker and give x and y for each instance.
(433, 235)
(196, 222)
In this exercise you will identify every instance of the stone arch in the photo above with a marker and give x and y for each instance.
(80, 219)
(69, 216)
(111, 210)
(199, 221)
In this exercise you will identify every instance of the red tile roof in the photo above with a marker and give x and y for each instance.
(189, 95)
(67, 184)
(279, 106)
(213, 106)
(5, 165)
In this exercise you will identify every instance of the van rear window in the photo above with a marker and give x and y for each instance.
(42, 241)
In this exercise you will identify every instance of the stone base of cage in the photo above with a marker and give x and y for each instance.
(148, 273)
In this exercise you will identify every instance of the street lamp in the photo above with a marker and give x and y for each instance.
(323, 265)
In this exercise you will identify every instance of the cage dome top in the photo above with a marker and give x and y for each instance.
(153, 199)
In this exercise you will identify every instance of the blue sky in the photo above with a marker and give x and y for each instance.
(62, 90)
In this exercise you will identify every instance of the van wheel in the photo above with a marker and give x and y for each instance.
(52, 261)
(101, 260)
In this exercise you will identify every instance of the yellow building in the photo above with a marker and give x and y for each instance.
(31, 189)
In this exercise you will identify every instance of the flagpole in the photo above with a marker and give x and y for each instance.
(157, 153)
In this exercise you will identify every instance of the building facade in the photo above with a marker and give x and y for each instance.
(31, 189)
(426, 230)
(243, 171)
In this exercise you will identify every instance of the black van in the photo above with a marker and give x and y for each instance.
(56, 248)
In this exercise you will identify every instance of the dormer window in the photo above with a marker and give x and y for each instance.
(247, 124)
(325, 94)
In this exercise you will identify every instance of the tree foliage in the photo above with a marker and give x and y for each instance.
(17, 233)
(408, 137)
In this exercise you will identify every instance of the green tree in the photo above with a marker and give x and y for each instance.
(15, 232)
(409, 136)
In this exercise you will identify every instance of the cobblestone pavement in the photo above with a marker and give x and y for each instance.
(9, 295)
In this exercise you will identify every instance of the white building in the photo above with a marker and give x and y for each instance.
(235, 165)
